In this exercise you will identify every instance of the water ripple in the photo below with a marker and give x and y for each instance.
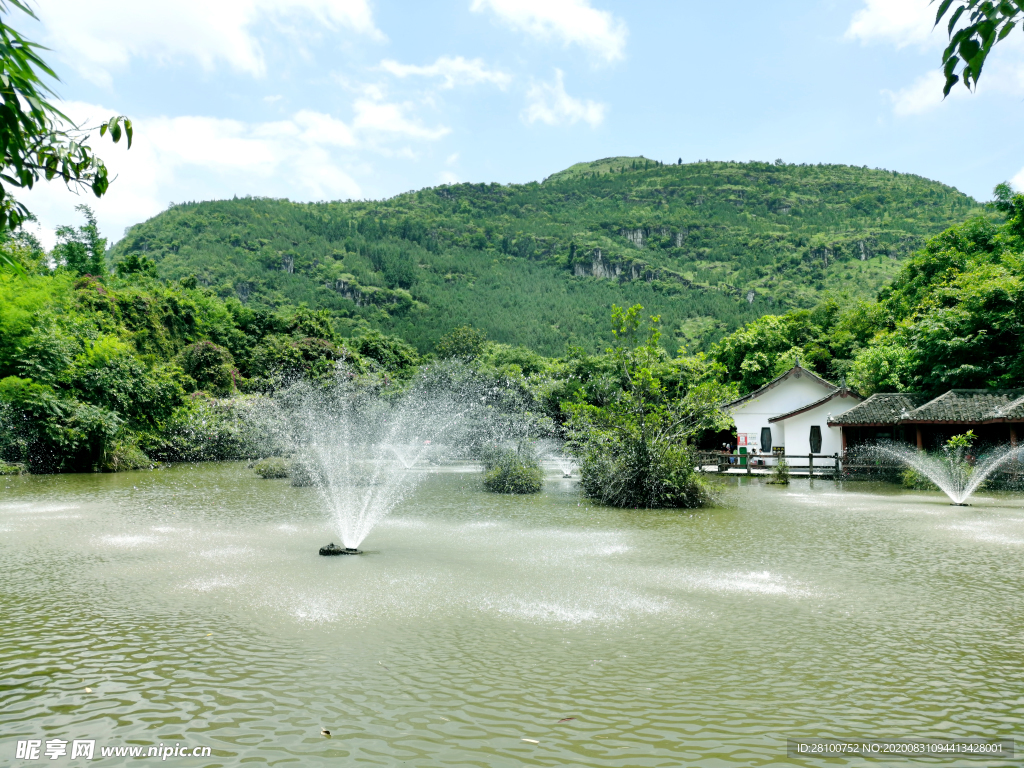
(610, 638)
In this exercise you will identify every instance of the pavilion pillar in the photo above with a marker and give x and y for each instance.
(1013, 436)
(920, 439)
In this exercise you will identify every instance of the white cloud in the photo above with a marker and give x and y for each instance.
(1003, 75)
(377, 118)
(924, 95)
(1018, 181)
(307, 156)
(454, 71)
(901, 22)
(318, 128)
(1004, 69)
(98, 36)
(571, 21)
(549, 103)
(910, 22)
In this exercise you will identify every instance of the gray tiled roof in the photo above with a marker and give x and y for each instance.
(886, 408)
(1013, 411)
(965, 405)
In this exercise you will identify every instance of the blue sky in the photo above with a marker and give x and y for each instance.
(336, 99)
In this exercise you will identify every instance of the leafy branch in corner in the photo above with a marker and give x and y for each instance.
(37, 140)
(983, 23)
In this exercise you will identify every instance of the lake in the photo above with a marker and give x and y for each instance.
(193, 605)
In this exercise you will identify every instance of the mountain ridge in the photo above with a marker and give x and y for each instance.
(706, 245)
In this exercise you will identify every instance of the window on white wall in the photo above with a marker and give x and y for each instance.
(815, 439)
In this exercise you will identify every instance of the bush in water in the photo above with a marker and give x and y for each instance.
(514, 470)
(271, 468)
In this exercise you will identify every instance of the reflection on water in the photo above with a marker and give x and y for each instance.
(192, 603)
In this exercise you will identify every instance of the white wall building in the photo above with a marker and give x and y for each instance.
(792, 412)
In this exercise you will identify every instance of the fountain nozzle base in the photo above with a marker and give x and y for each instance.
(959, 504)
(334, 549)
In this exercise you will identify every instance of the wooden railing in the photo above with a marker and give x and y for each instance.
(834, 464)
(827, 463)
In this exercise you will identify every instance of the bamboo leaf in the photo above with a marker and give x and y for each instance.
(955, 18)
(943, 7)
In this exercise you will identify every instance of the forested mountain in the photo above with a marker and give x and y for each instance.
(708, 246)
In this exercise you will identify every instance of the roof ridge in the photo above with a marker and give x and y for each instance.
(777, 380)
(993, 392)
(842, 392)
(880, 408)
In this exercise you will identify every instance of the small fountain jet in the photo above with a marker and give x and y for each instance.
(334, 549)
(554, 451)
(953, 472)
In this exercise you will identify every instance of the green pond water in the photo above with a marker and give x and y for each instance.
(193, 604)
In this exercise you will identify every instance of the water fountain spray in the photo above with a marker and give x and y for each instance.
(951, 470)
(554, 450)
(359, 445)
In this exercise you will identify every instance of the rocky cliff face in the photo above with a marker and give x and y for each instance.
(635, 236)
(602, 268)
(370, 295)
(599, 267)
(638, 237)
(349, 289)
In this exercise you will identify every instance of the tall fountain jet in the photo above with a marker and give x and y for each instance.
(359, 445)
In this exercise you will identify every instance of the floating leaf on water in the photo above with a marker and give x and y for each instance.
(566, 719)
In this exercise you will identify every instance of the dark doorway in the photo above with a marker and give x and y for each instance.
(766, 439)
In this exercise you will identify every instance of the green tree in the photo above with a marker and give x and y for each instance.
(81, 249)
(22, 253)
(1012, 206)
(634, 451)
(37, 139)
(313, 323)
(390, 352)
(974, 26)
(954, 315)
(209, 365)
(136, 264)
(466, 343)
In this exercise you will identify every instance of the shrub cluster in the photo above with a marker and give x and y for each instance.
(635, 475)
(780, 473)
(271, 468)
(512, 470)
(120, 372)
